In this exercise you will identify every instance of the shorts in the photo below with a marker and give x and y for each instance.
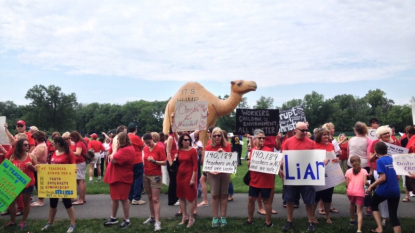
(292, 194)
(80, 171)
(96, 159)
(325, 195)
(356, 200)
(119, 191)
(152, 181)
(219, 183)
(28, 190)
(265, 192)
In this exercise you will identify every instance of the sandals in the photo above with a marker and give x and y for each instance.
(322, 212)
(230, 199)
(19, 213)
(36, 204)
(77, 203)
(203, 204)
(261, 213)
(333, 210)
(328, 221)
(315, 221)
(274, 212)
(374, 231)
(406, 200)
(178, 215)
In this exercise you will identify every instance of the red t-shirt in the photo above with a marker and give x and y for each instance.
(259, 179)
(345, 152)
(86, 140)
(3, 155)
(30, 140)
(411, 144)
(327, 147)
(50, 147)
(293, 143)
(63, 158)
(372, 150)
(137, 144)
(26, 170)
(228, 147)
(81, 158)
(96, 145)
(122, 170)
(159, 154)
(270, 142)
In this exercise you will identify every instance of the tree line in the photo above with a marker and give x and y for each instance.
(52, 110)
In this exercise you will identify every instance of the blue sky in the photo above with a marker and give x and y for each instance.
(113, 52)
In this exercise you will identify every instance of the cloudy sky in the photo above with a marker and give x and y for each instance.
(118, 51)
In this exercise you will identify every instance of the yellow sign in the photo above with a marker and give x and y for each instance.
(57, 180)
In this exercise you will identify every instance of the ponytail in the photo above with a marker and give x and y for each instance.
(355, 162)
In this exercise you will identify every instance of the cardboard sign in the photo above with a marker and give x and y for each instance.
(290, 117)
(371, 134)
(334, 174)
(304, 167)
(224, 162)
(57, 180)
(394, 149)
(404, 164)
(3, 137)
(12, 182)
(189, 116)
(265, 162)
(248, 120)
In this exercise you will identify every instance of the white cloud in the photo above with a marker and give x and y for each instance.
(270, 42)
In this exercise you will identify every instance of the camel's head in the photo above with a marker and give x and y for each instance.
(243, 86)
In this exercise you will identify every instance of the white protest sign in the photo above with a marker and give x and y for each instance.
(394, 149)
(3, 137)
(371, 134)
(265, 162)
(413, 112)
(403, 164)
(225, 162)
(334, 174)
(304, 167)
(189, 116)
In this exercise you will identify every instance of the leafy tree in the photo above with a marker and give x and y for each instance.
(292, 103)
(400, 116)
(378, 102)
(264, 103)
(243, 104)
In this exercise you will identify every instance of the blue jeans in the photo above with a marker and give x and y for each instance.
(230, 189)
(137, 185)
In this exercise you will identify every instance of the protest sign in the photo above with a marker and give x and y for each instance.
(371, 134)
(413, 112)
(12, 182)
(290, 117)
(265, 162)
(248, 120)
(57, 180)
(225, 162)
(403, 164)
(334, 174)
(304, 167)
(189, 116)
(3, 137)
(394, 149)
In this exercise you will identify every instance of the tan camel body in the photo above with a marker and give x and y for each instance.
(193, 91)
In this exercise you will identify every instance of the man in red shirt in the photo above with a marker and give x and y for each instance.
(86, 139)
(137, 185)
(21, 128)
(98, 148)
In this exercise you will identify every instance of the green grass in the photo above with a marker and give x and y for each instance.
(340, 225)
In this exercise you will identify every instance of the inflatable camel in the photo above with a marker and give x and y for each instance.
(193, 91)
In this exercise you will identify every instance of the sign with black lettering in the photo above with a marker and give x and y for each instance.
(290, 117)
(265, 162)
(224, 162)
(248, 120)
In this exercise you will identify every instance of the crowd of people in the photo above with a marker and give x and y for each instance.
(130, 164)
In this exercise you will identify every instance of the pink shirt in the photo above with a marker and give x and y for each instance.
(356, 183)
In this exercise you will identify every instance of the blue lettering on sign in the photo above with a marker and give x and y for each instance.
(288, 177)
(308, 172)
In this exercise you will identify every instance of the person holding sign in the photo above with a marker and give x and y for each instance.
(61, 155)
(219, 182)
(27, 164)
(80, 154)
(260, 184)
(387, 189)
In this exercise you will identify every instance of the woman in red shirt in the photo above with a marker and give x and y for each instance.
(27, 164)
(344, 155)
(80, 154)
(154, 158)
(219, 182)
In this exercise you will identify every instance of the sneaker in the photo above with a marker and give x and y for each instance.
(139, 202)
(150, 220)
(110, 222)
(157, 226)
(288, 226)
(215, 222)
(125, 224)
(99, 180)
(11, 224)
(311, 227)
(177, 203)
(23, 225)
(47, 226)
(223, 222)
(71, 229)
(352, 222)
(268, 225)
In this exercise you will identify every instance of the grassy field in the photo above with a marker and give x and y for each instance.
(340, 225)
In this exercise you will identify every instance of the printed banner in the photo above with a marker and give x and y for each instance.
(3, 136)
(12, 182)
(334, 174)
(225, 162)
(248, 120)
(371, 134)
(394, 149)
(304, 167)
(404, 164)
(189, 116)
(57, 180)
(290, 117)
(265, 162)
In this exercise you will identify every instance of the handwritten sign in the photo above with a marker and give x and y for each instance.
(265, 162)
(333, 175)
(290, 117)
(3, 137)
(189, 116)
(225, 162)
(12, 182)
(57, 180)
(371, 134)
(404, 163)
(394, 149)
(304, 167)
(248, 120)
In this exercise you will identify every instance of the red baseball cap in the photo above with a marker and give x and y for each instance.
(94, 136)
(20, 122)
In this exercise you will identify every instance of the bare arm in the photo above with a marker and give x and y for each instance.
(10, 137)
(382, 178)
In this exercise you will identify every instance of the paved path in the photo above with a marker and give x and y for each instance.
(98, 206)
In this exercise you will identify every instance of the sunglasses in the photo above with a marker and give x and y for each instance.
(186, 140)
(217, 136)
(303, 130)
(19, 126)
(26, 145)
(260, 138)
